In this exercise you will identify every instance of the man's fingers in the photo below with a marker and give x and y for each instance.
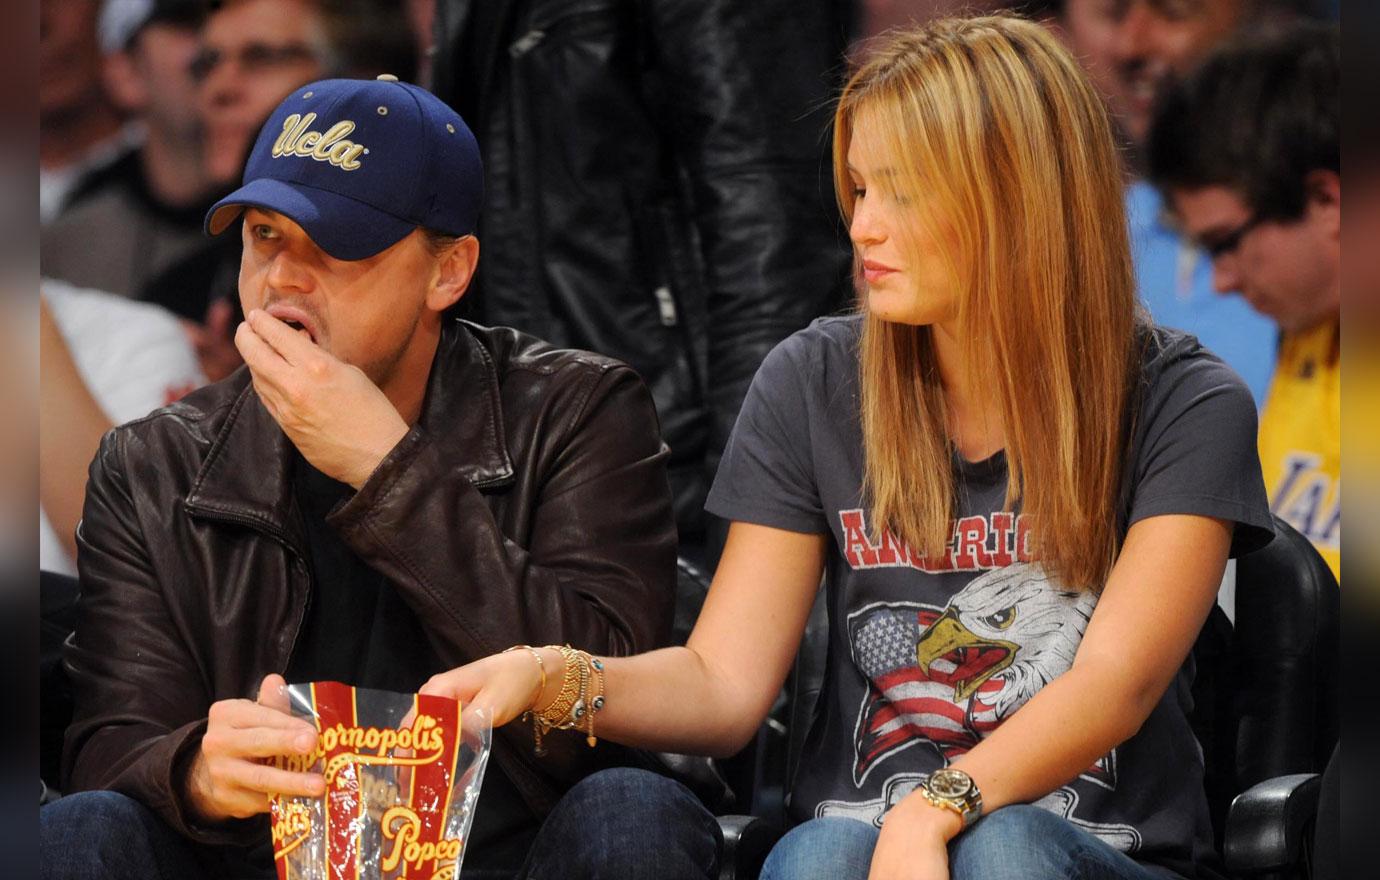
(261, 357)
(273, 693)
(268, 742)
(292, 346)
(270, 780)
(257, 742)
(246, 715)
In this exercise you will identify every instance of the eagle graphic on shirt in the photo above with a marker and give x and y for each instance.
(943, 678)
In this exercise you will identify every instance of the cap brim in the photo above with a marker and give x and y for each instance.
(345, 228)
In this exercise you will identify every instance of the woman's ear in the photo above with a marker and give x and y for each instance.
(455, 271)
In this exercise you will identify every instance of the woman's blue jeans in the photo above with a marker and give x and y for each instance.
(1018, 842)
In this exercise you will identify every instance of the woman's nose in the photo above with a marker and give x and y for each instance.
(864, 229)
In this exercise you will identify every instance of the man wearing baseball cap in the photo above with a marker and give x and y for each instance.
(379, 495)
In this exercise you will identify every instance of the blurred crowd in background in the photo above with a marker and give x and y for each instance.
(676, 213)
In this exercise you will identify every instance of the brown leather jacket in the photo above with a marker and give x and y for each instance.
(529, 505)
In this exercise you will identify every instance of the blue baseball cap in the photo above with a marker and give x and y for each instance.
(359, 164)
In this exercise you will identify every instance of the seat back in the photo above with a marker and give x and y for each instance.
(1266, 700)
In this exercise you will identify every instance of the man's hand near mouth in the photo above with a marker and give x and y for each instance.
(336, 417)
(295, 318)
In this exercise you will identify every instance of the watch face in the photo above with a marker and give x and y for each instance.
(950, 783)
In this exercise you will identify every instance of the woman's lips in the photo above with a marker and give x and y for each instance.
(874, 271)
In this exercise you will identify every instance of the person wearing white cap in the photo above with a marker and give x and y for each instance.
(79, 127)
(127, 222)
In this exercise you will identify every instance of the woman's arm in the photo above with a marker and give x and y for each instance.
(708, 697)
(1155, 601)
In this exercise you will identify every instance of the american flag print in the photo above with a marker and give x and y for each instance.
(944, 678)
(909, 705)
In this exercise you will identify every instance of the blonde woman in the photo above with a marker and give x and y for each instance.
(1020, 496)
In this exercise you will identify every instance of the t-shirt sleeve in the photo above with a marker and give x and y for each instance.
(766, 475)
(1198, 451)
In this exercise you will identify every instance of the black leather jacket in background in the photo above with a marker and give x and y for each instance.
(657, 188)
(528, 505)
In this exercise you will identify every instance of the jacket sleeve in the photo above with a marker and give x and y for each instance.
(125, 735)
(592, 562)
(750, 86)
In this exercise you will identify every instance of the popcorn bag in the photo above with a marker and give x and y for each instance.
(402, 781)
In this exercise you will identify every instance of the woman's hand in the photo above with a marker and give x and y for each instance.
(503, 685)
(914, 841)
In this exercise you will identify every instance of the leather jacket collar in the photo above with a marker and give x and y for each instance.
(247, 475)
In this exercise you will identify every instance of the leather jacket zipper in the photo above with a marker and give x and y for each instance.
(299, 561)
(526, 43)
(534, 37)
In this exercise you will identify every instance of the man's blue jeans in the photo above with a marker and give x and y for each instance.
(1018, 842)
(620, 824)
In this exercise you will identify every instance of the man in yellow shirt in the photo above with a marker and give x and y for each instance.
(1247, 152)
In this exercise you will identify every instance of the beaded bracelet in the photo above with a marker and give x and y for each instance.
(573, 706)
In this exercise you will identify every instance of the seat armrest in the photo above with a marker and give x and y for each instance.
(746, 842)
(1268, 822)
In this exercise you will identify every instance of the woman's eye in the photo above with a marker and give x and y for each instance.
(859, 192)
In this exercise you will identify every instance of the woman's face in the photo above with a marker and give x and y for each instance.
(906, 278)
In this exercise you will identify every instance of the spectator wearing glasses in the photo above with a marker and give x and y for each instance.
(1247, 152)
(1132, 49)
(252, 53)
(128, 221)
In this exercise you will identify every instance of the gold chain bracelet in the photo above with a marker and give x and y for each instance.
(580, 698)
(541, 667)
(597, 674)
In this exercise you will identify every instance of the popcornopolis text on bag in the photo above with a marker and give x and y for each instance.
(390, 778)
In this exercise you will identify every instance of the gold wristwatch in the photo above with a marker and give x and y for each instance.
(955, 790)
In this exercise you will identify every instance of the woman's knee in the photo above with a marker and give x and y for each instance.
(833, 847)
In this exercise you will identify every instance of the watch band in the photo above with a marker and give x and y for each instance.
(954, 790)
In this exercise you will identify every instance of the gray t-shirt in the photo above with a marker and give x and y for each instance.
(927, 656)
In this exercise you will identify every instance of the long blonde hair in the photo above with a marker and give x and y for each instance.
(992, 120)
